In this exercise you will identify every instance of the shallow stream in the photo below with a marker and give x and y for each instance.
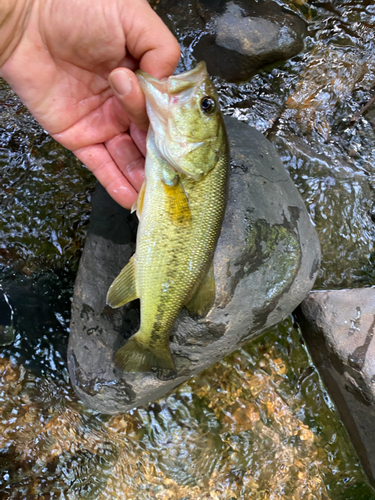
(257, 425)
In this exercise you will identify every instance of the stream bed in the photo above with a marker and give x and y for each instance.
(257, 425)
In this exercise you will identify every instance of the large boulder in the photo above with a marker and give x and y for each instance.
(339, 327)
(265, 263)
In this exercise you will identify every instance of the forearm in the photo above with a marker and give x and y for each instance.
(13, 19)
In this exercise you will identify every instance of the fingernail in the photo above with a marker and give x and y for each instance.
(120, 83)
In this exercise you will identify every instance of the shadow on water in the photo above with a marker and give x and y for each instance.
(258, 424)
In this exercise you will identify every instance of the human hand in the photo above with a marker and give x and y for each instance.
(73, 68)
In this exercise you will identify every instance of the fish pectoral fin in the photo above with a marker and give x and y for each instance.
(138, 204)
(139, 355)
(123, 288)
(204, 297)
(177, 205)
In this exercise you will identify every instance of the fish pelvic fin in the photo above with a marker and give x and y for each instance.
(138, 355)
(123, 288)
(204, 297)
(138, 204)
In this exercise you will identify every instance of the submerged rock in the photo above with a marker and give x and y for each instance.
(265, 263)
(236, 38)
(339, 327)
(7, 332)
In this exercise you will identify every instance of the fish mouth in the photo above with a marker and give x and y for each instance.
(158, 92)
(185, 81)
(175, 83)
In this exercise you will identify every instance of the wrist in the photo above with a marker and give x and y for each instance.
(14, 15)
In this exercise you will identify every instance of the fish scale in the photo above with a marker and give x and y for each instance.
(184, 255)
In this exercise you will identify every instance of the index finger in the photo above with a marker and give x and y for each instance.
(97, 158)
(149, 40)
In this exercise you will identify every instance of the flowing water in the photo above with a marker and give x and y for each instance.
(257, 425)
(309, 108)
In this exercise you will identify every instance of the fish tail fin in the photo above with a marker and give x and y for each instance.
(137, 355)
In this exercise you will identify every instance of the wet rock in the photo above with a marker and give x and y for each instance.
(339, 330)
(236, 38)
(7, 333)
(265, 263)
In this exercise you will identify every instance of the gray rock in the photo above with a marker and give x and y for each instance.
(7, 332)
(338, 327)
(235, 37)
(244, 43)
(265, 263)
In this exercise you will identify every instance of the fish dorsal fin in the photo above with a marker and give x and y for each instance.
(123, 288)
(177, 205)
(204, 297)
(138, 204)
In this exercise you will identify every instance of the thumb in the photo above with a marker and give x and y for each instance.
(129, 96)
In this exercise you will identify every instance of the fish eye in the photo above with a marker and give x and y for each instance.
(208, 104)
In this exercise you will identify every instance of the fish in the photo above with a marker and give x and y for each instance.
(180, 207)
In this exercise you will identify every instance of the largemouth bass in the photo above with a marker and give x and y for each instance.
(180, 209)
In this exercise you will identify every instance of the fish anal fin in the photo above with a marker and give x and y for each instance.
(138, 204)
(177, 205)
(138, 355)
(204, 297)
(123, 289)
